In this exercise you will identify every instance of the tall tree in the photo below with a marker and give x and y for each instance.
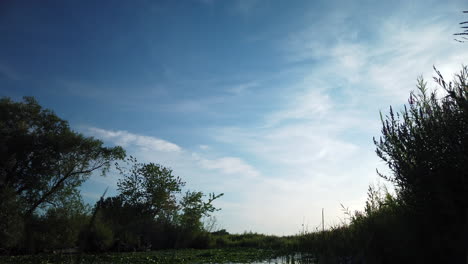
(41, 158)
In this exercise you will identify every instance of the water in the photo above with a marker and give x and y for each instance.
(288, 259)
(305, 259)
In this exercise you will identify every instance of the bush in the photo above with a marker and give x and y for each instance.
(98, 238)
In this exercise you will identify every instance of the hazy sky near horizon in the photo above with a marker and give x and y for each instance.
(273, 103)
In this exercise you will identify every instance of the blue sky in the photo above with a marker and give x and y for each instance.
(273, 103)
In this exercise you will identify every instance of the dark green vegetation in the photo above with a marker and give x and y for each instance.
(182, 256)
(43, 163)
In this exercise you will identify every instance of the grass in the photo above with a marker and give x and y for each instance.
(254, 240)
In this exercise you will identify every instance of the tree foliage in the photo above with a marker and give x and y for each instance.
(42, 164)
(41, 158)
(194, 208)
(426, 145)
(151, 187)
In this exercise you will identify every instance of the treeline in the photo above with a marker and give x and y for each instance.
(42, 165)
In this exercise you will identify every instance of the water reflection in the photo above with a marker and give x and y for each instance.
(288, 259)
(291, 259)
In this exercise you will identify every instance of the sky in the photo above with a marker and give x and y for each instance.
(273, 103)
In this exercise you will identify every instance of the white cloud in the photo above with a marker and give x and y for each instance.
(152, 149)
(125, 138)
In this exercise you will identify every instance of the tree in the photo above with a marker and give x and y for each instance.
(151, 187)
(148, 204)
(194, 208)
(41, 158)
(426, 149)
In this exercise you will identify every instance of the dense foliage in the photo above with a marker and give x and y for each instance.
(426, 149)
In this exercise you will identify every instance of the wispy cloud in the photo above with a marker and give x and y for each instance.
(316, 148)
(383, 65)
(307, 105)
(125, 138)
